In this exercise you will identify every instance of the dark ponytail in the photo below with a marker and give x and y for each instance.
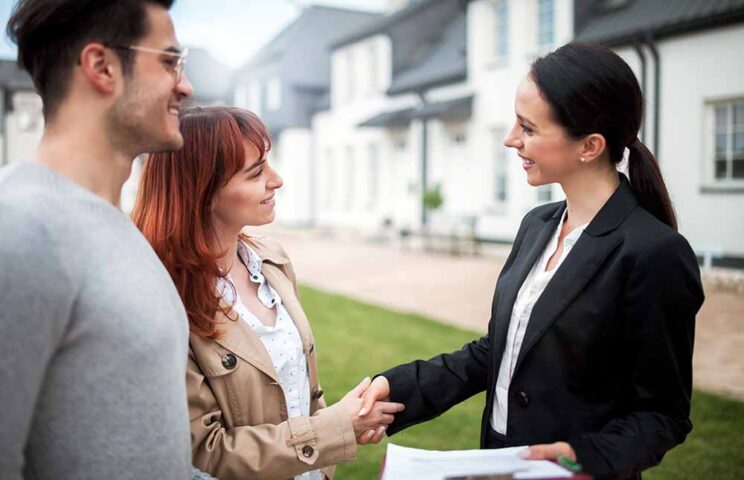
(648, 184)
(590, 89)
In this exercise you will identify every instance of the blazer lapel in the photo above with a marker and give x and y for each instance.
(240, 339)
(588, 254)
(577, 269)
(535, 240)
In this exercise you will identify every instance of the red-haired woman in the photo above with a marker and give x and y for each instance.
(256, 408)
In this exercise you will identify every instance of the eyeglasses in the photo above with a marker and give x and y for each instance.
(176, 68)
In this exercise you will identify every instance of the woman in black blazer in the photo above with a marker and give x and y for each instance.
(589, 347)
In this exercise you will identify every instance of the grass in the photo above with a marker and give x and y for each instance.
(355, 340)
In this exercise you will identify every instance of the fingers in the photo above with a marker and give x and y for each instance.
(379, 389)
(386, 419)
(368, 400)
(379, 433)
(390, 407)
(366, 437)
(357, 391)
(548, 451)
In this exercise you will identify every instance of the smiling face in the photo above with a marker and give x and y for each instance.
(146, 113)
(548, 154)
(248, 197)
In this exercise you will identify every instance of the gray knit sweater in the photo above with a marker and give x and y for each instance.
(93, 339)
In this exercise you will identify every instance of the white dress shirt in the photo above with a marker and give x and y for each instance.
(529, 293)
(282, 341)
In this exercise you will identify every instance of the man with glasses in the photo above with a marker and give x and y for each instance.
(93, 335)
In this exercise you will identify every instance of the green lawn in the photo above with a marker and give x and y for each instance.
(355, 340)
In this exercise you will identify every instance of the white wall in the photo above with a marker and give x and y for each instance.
(495, 81)
(291, 157)
(24, 127)
(360, 75)
(697, 69)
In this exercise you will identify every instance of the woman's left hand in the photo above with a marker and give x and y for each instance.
(549, 451)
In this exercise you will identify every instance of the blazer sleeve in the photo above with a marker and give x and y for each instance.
(662, 297)
(430, 388)
(290, 448)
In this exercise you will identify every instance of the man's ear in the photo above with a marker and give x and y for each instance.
(100, 66)
(592, 147)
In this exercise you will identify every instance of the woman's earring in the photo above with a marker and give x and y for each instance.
(583, 160)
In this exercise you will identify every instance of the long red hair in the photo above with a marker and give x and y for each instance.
(173, 206)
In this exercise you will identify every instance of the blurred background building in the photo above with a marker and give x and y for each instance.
(368, 112)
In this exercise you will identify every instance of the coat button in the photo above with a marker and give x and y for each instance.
(523, 399)
(229, 361)
(308, 451)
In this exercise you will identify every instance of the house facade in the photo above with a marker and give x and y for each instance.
(690, 64)
(21, 118)
(423, 97)
(286, 83)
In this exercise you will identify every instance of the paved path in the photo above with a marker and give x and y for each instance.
(458, 290)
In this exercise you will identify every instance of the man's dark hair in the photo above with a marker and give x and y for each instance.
(50, 35)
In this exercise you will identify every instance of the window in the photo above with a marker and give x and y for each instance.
(373, 174)
(729, 142)
(350, 80)
(254, 98)
(545, 23)
(350, 178)
(373, 68)
(274, 94)
(330, 179)
(544, 194)
(501, 29)
(241, 96)
(500, 162)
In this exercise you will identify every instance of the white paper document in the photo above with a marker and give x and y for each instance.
(403, 463)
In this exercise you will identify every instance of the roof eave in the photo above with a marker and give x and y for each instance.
(697, 24)
(417, 87)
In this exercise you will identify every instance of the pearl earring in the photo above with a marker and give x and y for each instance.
(583, 160)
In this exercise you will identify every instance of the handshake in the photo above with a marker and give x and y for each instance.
(370, 410)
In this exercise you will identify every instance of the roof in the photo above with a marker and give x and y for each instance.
(618, 22)
(458, 108)
(14, 78)
(445, 61)
(428, 39)
(315, 23)
(382, 24)
(211, 79)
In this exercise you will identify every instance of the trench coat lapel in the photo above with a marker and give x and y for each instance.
(273, 267)
(594, 245)
(240, 339)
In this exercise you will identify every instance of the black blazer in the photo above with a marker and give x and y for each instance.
(606, 361)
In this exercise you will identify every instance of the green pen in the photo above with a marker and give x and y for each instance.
(566, 462)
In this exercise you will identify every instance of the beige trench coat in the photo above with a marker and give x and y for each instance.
(239, 424)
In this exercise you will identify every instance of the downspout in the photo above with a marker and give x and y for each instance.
(657, 90)
(638, 47)
(3, 126)
(424, 161)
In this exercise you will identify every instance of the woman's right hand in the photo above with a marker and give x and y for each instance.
(375, 416)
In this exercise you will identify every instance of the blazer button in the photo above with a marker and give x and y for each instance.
(317, 394)
(523, 399)
(229, 361)
(308, 451)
